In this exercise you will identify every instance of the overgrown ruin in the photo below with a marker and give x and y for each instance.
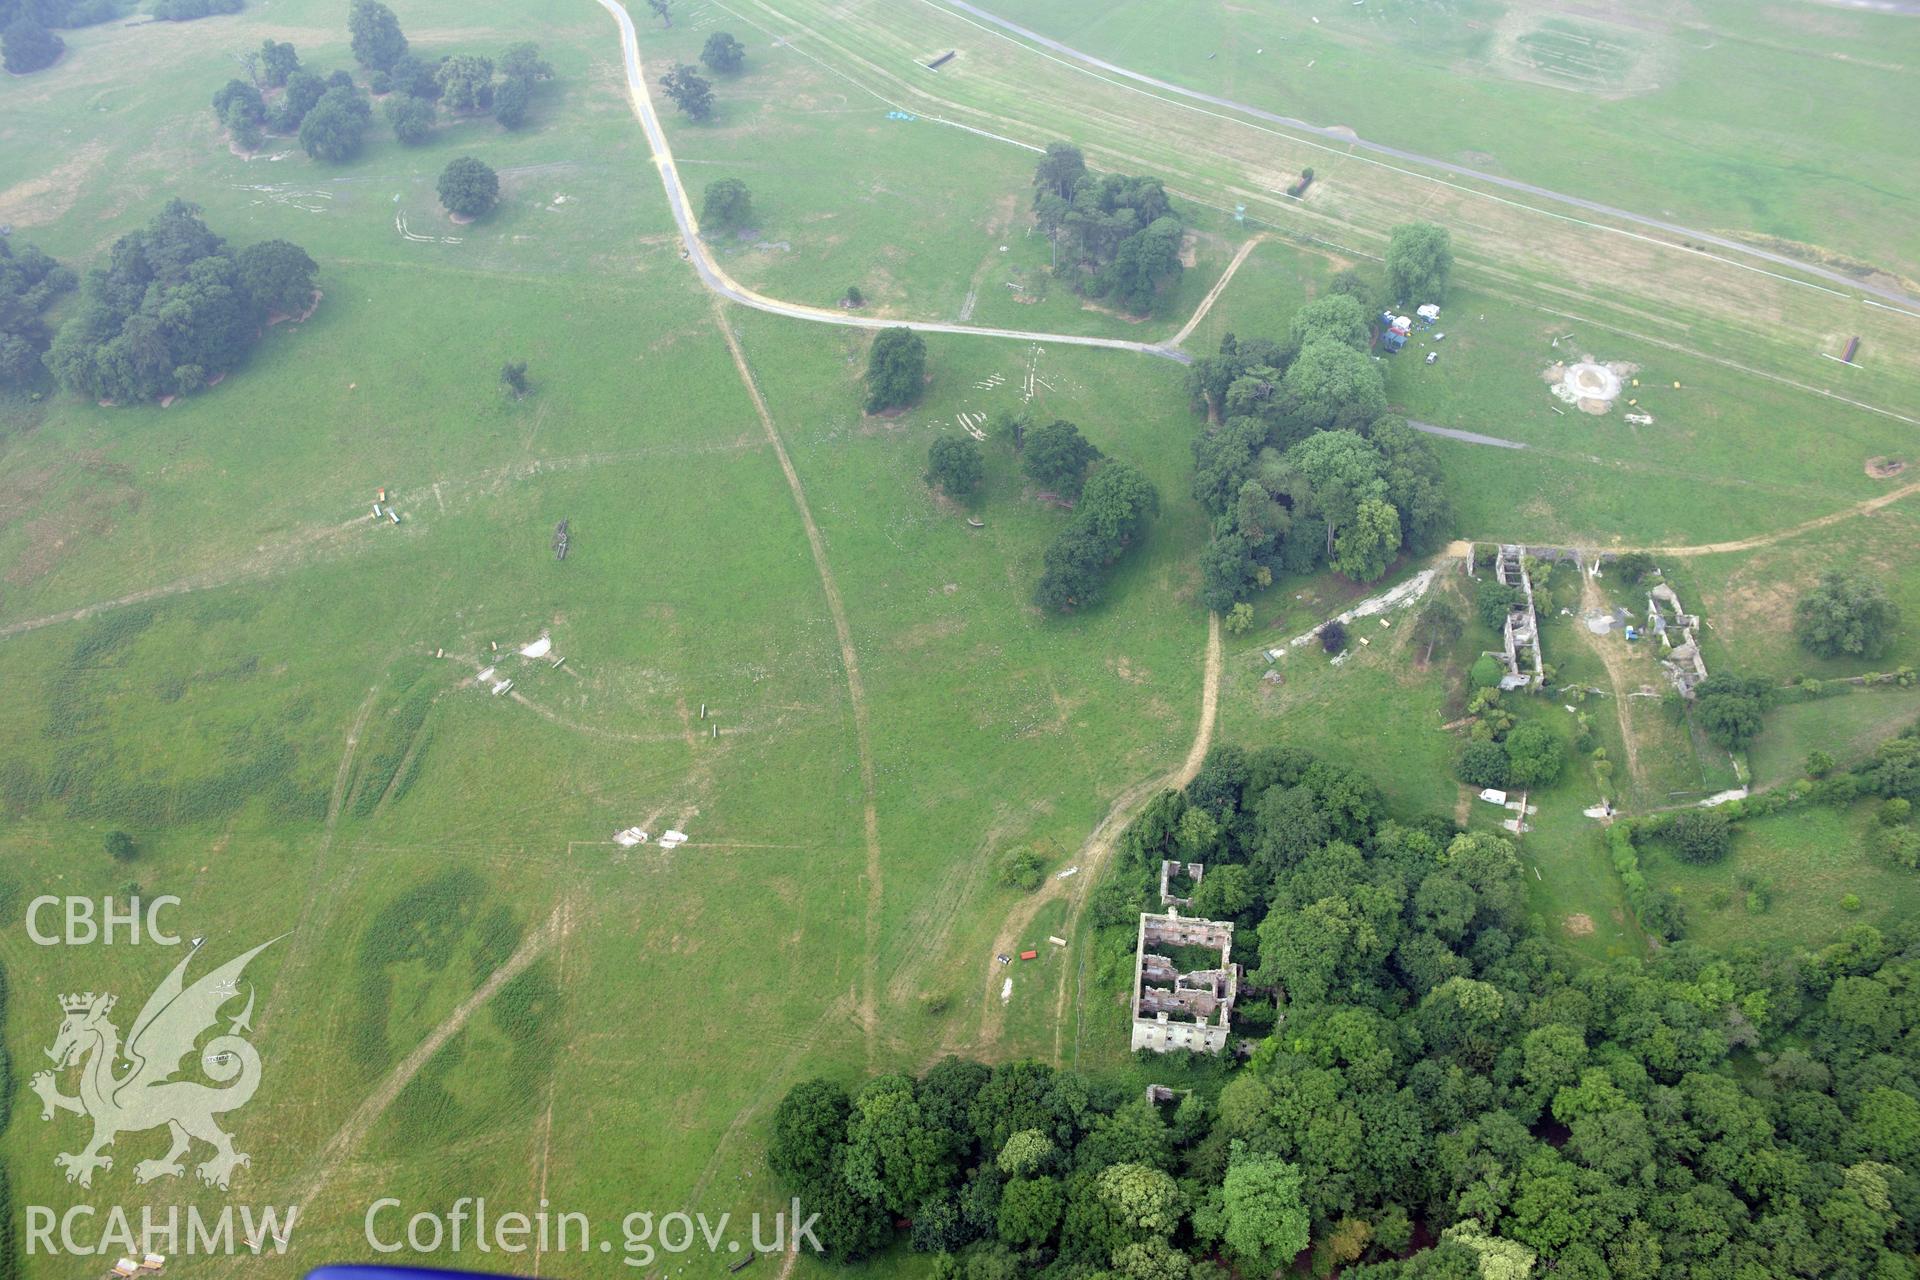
(1666, 619)
(1171, 870)
(1521, 635)
(1183, 1010)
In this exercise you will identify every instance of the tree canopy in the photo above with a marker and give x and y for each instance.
(1679, 1114)
(334, 129)
(410, 118)
(1056, 458)
(26, 46)
(723, 53)
(1332, 317)
(1301, 465)
(726, 204)
(689, 90)
(1729, 708)
(278, 60)
(510, 101)
(896, 369)
(468, 187)
(466, 82)
(1114, 235)
(377, 40)
(30, 281)
(278, 275)
(171, 309)
(1113, 512)
(1419, 262)
(954, 466)
(1847, 615)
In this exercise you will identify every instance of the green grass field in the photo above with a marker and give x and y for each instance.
(1717, 115)
(279, 698)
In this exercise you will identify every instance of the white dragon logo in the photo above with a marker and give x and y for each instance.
(146, 1095)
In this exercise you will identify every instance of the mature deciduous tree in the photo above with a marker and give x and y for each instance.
(896, 369)
(1848, 615)
(726, 204)
(1419, 262)
(410, 118)
(377, 39)
(689, 90)
(510, 101)
(522, 61)
(1332, 386)
(1334, 317)
(278, 60)
(468, 187)
(1266, 1221)
(724, 54)
(278, 275)
(466, 82)
(30, 281)
(26, 46)
(334, 129)
(1056, 458)
(954, 466)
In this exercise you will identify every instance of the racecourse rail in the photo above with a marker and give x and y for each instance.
(715, 277)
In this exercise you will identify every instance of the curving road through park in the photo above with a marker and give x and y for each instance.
(715, 277)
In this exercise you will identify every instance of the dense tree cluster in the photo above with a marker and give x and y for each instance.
(1848, 615)
(1446, 1095)
(1114, 509)
(172, 308)
(1113, 236)
(27, 41)
(187, 10)
(415, 89)
(27, 46)
(1307, 468)
(334, 129)
(30, 280)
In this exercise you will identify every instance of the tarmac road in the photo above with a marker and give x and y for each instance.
(715, 277)
(1346, 138)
